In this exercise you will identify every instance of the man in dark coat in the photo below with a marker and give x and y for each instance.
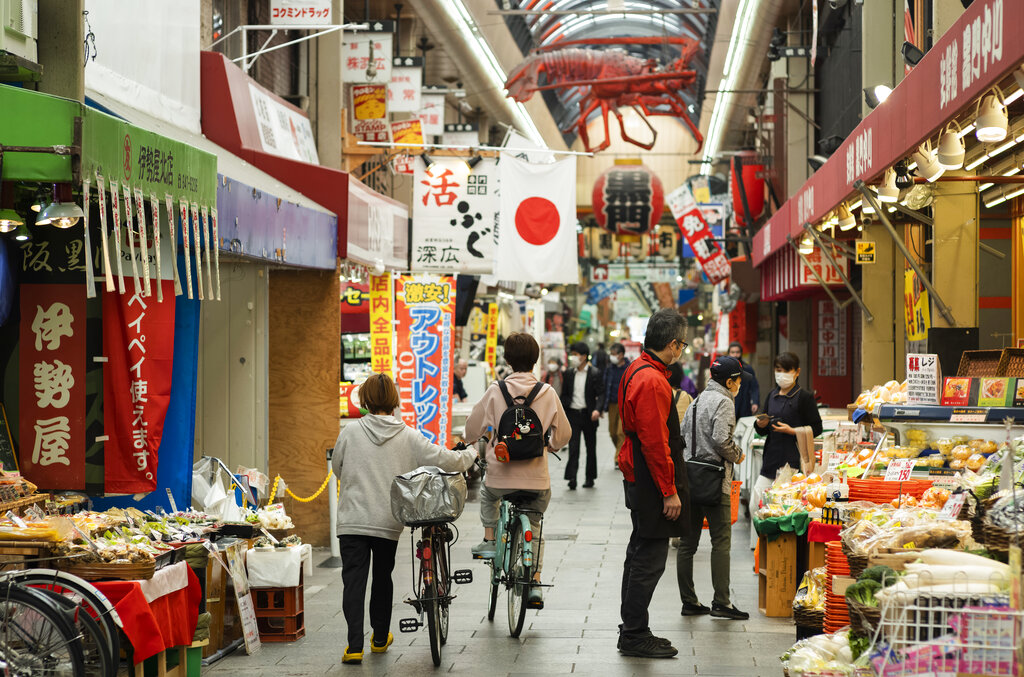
(583, 401)
(750, 391)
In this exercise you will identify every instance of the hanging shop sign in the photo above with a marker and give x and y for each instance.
(697, 234)
(455, 214)
(916, 310)
(477, 325)
(628, 199)
(355, 298)
(865, 252)
(424, 316)
(406, 132)
(492, 335)
(461, 134)
(284, 130)
(832, 347)
(825, 270)
(52, 385)
(370, 112)
(406, 83)
(367, 57)
(431, 113)
(378, 228)
(138, 342)
(715, 214)
(300, 12)
(382, 314)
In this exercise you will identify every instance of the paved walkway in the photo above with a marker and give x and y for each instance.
(586, 532)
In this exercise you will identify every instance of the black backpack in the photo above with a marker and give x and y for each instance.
(520, 428)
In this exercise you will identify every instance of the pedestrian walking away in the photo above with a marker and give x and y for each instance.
(654, 480)
(367, 456)
(583, 400)
(618, 363)
(708, 427)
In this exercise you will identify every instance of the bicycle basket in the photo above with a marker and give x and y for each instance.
(428, 494)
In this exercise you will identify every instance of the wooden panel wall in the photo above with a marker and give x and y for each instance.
(305, 361)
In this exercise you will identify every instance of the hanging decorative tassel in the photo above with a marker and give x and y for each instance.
(196, 246)
(90, 274)
(131, 236)
(171, 218)
(154, 204)
(115, 208)
(101, 189)
(183, 204)
(216, 248)
(140, 209)
(205, 216)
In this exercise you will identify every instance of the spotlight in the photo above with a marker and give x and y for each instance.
(951, 149)
(927, 167)
(816, 162)
(830, 144)
(846, 219)
(903, 178)
(990, 121)
(9, 219)
(427, 160)
(806, 245)
(474, 161)
(888, 192)
(912, 55)
(62, 212)
(22, 233)
(876, 95)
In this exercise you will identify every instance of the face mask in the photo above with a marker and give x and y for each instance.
(785, 379)
(574, 361)
(552, 366)
(615, 359)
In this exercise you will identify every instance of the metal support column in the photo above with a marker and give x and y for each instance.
(846, 281)
(816, 274)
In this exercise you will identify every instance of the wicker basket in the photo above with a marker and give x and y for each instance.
(1011, 363)
(809, 618)
(864, 620)
(976, 363)
(105, 572)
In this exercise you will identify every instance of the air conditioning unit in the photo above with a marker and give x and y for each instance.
(20, 28)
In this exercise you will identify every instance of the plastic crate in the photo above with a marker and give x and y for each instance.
(281, 628)
(274, 602)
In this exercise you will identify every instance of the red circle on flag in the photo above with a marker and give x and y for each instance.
(537, 220)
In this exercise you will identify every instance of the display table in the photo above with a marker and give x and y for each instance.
(158, 614)
(818, 534)
(278, 567)
(771, 528)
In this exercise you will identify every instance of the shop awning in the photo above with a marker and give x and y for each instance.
(259, 217)
(980, 49)
(372, 228)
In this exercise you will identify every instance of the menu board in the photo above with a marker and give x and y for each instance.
(923, 378)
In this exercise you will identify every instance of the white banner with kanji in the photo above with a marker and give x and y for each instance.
(455, 214)
(404, 94)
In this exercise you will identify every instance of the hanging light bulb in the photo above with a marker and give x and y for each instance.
(927, 166)
(990, 121)
(9, 218)
(62, 212)
(951, 148)
(22, 233)
(806, 245)
(846, 218)
(888, 192)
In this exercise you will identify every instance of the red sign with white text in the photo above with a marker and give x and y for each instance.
(138, 340)
(700, 238)
(52, 385)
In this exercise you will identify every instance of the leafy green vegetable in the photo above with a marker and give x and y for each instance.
(859, 645)
(863, 592)
(880, 573)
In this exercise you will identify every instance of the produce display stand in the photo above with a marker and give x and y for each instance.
(777, 577)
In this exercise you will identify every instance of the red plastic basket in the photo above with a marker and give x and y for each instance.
(734, 502)
(878, 490)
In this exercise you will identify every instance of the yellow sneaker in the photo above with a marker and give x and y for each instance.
(352, 656)
(376, 648)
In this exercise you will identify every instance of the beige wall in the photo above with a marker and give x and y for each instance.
(955, 252)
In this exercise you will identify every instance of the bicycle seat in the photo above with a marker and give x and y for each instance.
(518, 498)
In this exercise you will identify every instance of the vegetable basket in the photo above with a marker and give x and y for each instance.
(864, 619)
(858, 563)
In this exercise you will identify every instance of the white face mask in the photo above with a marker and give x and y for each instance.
(574, 361)
(552, 366)
(785, 379)
(615, 359)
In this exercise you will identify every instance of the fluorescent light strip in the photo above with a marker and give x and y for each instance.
(471, 33)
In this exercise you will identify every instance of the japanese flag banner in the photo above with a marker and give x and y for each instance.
(695, 229)
(455, 214)
(537, 237)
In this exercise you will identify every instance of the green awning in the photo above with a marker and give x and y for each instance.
(29, 118)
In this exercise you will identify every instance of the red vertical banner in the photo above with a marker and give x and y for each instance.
(698, 235)
(424, 313)
(138, 340)
(52, 385)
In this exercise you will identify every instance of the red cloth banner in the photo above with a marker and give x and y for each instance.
(425, 311)
(51, 376)
(138, 340)
(695, 229)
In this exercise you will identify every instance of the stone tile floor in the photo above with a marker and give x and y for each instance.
(586, 532)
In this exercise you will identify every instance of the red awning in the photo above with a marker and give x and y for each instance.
(978, 51)
(784, 277)
(229, 117)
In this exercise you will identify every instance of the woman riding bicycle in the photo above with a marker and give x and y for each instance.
(367, 456)
(502, 478)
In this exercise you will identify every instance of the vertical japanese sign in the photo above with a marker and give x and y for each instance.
(370, 112)
(831, 339)
(283, 130)
(407, 132)
(455, 211)
(381, 315)
(492, 334)
(138, 340)
(366, 57)
(424, 313)
(695, 229)
(923, 378)
(916, 311)
(406, 83)
(431, 114)
(52, 385)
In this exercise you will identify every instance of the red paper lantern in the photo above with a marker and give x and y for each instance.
(628, 200)
(752, 175)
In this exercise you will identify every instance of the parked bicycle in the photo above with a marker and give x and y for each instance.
(432, 579)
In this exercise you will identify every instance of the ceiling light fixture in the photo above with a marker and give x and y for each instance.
(62, 212)
(474, 161)
(874, 96)
(951, 148)
(816, 162)
(903, 178)
(427, 160)
(990, 118)
(806, 245)
(927, 166)
(912, 54)
(9, 218)
(846, 218)
(22, 233)
(888, 192)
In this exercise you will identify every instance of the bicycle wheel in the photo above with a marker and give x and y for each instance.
(36, 638)
(433, 620)
(95, 652)
(444, 583)
(518, 580)
(81, 592)
(493, 604)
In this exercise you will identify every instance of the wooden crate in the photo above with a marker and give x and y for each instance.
(216, 601)
(777, 577)
(815, 555)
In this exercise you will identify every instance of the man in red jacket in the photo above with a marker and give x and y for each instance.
(651, 463)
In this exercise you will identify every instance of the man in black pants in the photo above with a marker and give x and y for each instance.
(583, 401)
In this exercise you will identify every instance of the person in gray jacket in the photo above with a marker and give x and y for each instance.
(710, 422)
(368, 455)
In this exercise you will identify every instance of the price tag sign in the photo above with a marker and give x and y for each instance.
(952, 508)
(975, 415)
(899, 469)
(923, 379)
(20, 523)
(836, 460)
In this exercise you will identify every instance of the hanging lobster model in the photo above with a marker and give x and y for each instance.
(610, 80)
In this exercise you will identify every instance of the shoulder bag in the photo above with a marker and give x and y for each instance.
(705, 478)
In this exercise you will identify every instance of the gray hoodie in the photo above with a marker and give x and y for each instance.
(367, 457)
(716, 419)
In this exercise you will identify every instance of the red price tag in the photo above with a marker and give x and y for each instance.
(899, 470)
(953, 506)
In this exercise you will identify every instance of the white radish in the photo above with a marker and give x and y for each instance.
(933, 574)
(958, 558)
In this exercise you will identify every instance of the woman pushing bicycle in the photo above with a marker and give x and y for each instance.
(367, 457)
(528, 420)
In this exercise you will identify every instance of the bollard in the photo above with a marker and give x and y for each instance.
(334, 561)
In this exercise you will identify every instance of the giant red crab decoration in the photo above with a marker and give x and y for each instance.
(610, 80)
